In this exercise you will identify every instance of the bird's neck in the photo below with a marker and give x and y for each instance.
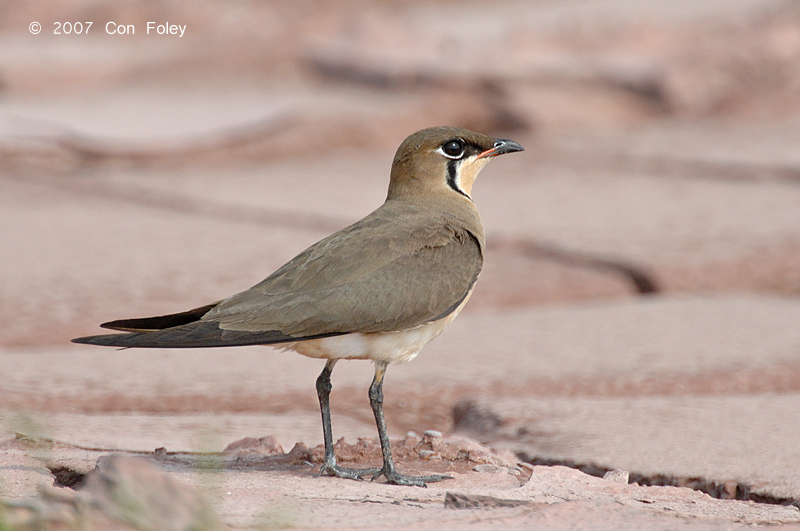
(451, 208)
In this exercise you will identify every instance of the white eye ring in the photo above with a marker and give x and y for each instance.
(456, 143)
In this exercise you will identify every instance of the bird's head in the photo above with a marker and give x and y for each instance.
(443, 160)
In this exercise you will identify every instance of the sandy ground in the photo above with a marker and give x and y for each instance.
(638, 310)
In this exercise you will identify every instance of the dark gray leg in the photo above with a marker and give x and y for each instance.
(388, 470)
(329, 466)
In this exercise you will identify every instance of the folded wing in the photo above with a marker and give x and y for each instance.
(391, 271)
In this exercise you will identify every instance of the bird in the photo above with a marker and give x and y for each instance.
(379, 289)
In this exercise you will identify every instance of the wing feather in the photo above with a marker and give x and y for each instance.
(397, 268)
(393, 270)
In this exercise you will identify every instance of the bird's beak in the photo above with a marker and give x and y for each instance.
(501, 147)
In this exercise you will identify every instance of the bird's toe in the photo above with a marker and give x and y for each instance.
(349, 473)
(395, 478)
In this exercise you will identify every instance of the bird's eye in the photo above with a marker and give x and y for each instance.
(453, 148)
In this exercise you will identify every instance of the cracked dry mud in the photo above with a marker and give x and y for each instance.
(138, 490)
(638, 312)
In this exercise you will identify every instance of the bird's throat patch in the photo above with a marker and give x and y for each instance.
(452, 178)
(461, 174)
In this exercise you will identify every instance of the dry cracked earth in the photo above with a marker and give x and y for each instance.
(630, 358)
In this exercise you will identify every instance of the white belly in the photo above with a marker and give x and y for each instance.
(391, 347)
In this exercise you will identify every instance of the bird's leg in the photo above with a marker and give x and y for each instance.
(388, 470)
(329, 466)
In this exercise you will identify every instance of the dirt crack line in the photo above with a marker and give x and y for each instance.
(95, 149)
(643, 282)
(719, 489)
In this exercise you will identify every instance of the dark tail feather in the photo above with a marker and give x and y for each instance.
(149, 324)
(198, 334)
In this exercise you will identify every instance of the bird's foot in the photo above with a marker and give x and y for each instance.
(395, 478)
(332, 469)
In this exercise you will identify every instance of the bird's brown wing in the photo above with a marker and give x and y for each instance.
(395, 269)
(391, 271)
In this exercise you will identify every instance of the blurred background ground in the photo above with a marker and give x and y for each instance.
(639, 306)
